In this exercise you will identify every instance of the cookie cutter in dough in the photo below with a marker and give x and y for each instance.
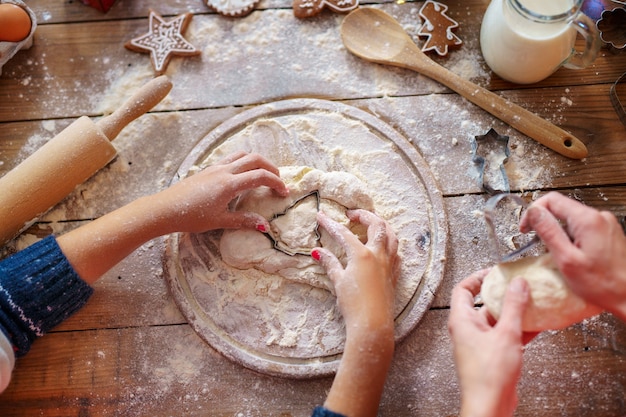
(491, 218)
(312, 339)
(278, 244)
(488, 150)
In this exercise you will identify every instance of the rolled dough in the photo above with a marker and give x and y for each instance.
(553, 305)
(295, 228)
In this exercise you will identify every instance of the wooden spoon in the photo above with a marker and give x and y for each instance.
(376, 36)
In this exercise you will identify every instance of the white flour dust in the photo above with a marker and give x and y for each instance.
(266, 313)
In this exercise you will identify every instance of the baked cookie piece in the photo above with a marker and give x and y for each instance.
(163, 40)
(438, 28)
(233, 8)
(308, 8)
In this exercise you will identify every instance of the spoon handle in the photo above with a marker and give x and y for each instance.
(517, 117)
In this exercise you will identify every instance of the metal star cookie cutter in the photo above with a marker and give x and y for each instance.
(278, 244)
(488, 149)
(490, 219)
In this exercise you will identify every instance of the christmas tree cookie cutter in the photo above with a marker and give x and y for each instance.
(281, 246)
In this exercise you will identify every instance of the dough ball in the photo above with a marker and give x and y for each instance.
(552, 306)
(295, 228)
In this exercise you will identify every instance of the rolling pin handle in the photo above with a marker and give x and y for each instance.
(139, 103)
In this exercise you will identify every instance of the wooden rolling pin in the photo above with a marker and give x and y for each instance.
(67, 160)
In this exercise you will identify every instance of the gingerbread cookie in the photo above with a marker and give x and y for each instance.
(232, 8)
(164, 40)
(438, 28)
(308, 8)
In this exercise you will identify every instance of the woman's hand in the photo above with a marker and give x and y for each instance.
(488, 356)
(589, 249)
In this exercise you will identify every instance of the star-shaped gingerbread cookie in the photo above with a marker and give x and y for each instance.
(164, 40)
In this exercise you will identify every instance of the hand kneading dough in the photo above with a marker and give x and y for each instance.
(552, 306)
(245, 249)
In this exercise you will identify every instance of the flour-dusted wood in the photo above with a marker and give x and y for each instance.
(392, 45)
(123, 352)
(47, 176)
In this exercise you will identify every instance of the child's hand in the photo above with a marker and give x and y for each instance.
(365, 290)
(201, 202)
(196, 204)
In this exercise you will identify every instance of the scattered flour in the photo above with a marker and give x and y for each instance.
(261, 312)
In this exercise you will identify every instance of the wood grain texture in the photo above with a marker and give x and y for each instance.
(168, 370)
(130, 352)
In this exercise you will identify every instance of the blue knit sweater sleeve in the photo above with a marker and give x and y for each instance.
(324, 412)
(38, 290)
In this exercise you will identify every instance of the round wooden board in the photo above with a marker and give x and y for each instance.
(277, 326)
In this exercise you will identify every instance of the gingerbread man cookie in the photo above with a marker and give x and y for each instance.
(164, 40)
(308, 8)
(438, 27)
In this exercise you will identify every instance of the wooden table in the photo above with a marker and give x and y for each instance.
(129, 352)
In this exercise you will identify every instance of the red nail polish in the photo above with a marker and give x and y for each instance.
(315, 254)
(261, 228)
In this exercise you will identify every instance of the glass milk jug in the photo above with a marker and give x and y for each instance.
(525, 41)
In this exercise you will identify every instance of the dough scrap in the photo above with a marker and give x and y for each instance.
(553, 305)
(338, 191)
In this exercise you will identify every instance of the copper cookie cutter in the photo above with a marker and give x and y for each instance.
(278, 244)
(491, 219)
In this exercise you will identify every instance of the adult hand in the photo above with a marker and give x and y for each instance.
(589, 250)
(365, 290)
(488, 355)
(201, 202)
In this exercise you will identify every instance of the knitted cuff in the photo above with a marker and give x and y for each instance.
(38, 290)
(7, 361)
(324, 412)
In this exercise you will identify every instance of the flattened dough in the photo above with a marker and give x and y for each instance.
(338, 191)
(553, 305)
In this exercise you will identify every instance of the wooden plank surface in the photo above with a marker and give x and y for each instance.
(71, 68)
(445, 142)
(130, 352)
(169, 370)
